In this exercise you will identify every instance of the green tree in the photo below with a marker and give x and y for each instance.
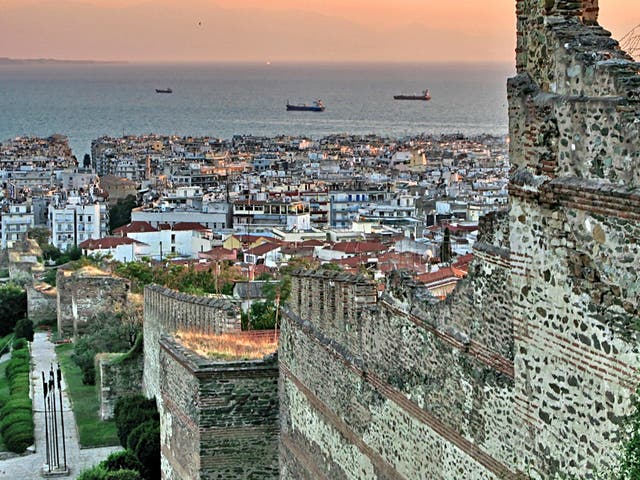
(24, 329)
(120, 213)
(106, 332)
(13, 306)
(445, 247)
(40, 235)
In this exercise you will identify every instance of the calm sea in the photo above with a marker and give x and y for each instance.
(87, 101)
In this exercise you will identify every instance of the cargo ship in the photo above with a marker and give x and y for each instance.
(317, 106)
(164, 90)
(425, 95)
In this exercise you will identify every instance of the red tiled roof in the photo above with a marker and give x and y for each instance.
(219, 253)
(462, 262)
(184, 226)
(447, 273)
(311, 243)
(249, 238)
(107, 242)
(349, 261)
(262, 249)
(135, 227)
(359, 247)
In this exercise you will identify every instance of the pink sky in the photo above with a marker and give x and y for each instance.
(272, 30)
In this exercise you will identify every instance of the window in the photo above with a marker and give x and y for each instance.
(88, 218)
(173, 238)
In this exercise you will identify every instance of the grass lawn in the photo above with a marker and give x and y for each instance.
(86, 406)
(4, 388)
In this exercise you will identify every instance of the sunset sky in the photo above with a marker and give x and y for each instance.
(272, 30)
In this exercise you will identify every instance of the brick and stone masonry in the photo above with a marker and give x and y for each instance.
(42, 300)
(84, 293)
(166, 311)
(527, 369)
(219, 419)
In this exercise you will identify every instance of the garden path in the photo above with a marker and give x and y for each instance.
(43, 355)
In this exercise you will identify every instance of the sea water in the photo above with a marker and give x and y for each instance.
(87, 101)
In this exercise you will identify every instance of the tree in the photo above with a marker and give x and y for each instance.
(40, 235)
(74, 253)
(86, 161)
(445, 248)
(13, 306)
(24, 329)
(120, 213)
(106, 332)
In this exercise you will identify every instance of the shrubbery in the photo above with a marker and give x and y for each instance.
(13, 306)
(138, 426)
(123, 460)
(105, 333)
(131, 412)
(16, 415)
(24, 329)
(95, 473)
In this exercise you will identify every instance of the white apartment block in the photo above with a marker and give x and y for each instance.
(15, 224)
(72, 224)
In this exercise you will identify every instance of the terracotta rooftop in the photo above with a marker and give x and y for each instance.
(358, 247)
(107, 242)
(441, 276)
(185, 226)
(263, 248)
(135, 227)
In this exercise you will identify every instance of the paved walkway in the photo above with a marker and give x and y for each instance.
(29, 466)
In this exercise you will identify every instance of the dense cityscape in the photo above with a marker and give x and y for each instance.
(359, 202)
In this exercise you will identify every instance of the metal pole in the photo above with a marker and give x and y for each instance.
(64, 446)
(52, 388)
(46, 423)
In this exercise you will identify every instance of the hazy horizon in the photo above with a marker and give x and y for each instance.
(254, 31)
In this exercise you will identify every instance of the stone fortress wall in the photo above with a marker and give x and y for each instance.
(83, 293)
(219, 419)
(527, 369)
(166, 311)
(575, 236)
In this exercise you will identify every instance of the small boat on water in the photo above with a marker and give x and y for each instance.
(317, 106)
(425, 95)
(164, 90)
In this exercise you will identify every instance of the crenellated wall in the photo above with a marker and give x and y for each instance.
(527, 369)
(219, 419)
(167, 311)
(403, 386)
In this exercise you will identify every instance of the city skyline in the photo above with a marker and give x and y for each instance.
(275, 31)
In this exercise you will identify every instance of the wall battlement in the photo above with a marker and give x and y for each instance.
(166, 311)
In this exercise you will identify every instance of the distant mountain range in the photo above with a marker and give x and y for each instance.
(47, 61)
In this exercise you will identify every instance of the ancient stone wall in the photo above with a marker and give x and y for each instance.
(42, 301)
(118, 375)
(527, 369)
(400, 387)
(575, 206)
(166, 311)
(84, 293)
(219, 419)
